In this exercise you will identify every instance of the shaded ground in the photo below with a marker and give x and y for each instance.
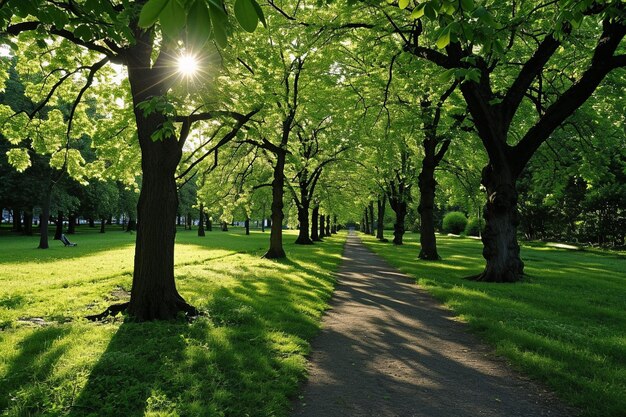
(388, 349)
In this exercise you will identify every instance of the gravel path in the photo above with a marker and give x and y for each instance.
(388, 349)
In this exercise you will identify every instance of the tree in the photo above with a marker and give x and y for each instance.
(116, 34)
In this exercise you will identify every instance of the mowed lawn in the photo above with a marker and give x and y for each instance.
(564, 325)
(244, 358)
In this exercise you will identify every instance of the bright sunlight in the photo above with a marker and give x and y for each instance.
(187, 65)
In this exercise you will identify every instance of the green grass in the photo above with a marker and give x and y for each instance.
(564, 325)
(245, 358)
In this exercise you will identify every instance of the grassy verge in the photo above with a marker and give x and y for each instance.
(564, 325)
(244, 359)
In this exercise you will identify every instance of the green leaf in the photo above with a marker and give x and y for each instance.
(418, 12)
(430, 11)
(403, 4)
(444, 39)
(219, 20)
(150, 12)
(467, 5)
(83, 32)
(199, 24)
(259, 12)
(172, 19)
(446, 75)
(19, 159)
(246, 15)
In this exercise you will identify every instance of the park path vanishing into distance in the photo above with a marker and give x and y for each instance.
(387, 348)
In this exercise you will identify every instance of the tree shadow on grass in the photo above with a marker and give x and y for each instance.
(38, 354)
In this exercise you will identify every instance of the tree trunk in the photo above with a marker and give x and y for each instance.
(427, 186)
(59, 226)
(153, 294)
(334, 227)
(328, 225)
(322, 225)
(263, 218)
(224, 227)
(179, 220)
(501, 250)
(17, 220)
(71, 224)
(371, 212)
(276, 250)
(132, 225)
(103, 222)
(189, 221)
(303, 218)
(92, 222)
(315, 234)
(28, 221)
(380, 225)
(201, 221)
(247, 223)
(209, 224)
(44, 218)
(366, 221)
(399, 207)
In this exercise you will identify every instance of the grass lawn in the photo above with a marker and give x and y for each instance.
(564, 325)
(244, 359)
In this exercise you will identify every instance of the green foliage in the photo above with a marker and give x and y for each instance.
(245, 357)
(563, 325)
(474, 227)
(454, 222)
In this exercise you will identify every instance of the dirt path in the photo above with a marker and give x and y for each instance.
(388, 349)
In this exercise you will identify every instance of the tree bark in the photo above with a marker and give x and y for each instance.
(154, 295)
(328, 225)
(500, 250)
(371, 213)
(334, 227)
(17, 220)
(276, 250)
(427, 186)
(380, 226)
(28, 221)
(201, 221)
(322, 225)
(58, 231)
(71, 224)
(102, 224)
(224, 227)
(132, 225)
(303, 218)
(44, 218)
(315, 235)
(92, 222)
(209, 224)
(247, 223)
(366, 222)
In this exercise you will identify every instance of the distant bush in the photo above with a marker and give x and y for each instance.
(454, 222)
(474, 226)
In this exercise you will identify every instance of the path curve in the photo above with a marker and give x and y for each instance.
(387, 349)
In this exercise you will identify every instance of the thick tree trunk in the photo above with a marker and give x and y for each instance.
(71, 224)
(427, 186)
(399, 207)
(209, 224)
(132, 225)
(276, 250)
(92, 222)
(303, 218)
(322, 225)
(247, 223)
(153, 294)
(333, 230)
(189, 221)
(201, 221)
(224, 227)
(501, 250)
(103, 222)
(28, 221)
(380, 225)
(315, 234)
(58, 231)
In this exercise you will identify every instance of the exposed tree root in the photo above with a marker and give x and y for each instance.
(112, 311)
(383, 240)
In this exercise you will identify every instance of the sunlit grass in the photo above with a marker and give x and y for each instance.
(564, 325)
(244, 358)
